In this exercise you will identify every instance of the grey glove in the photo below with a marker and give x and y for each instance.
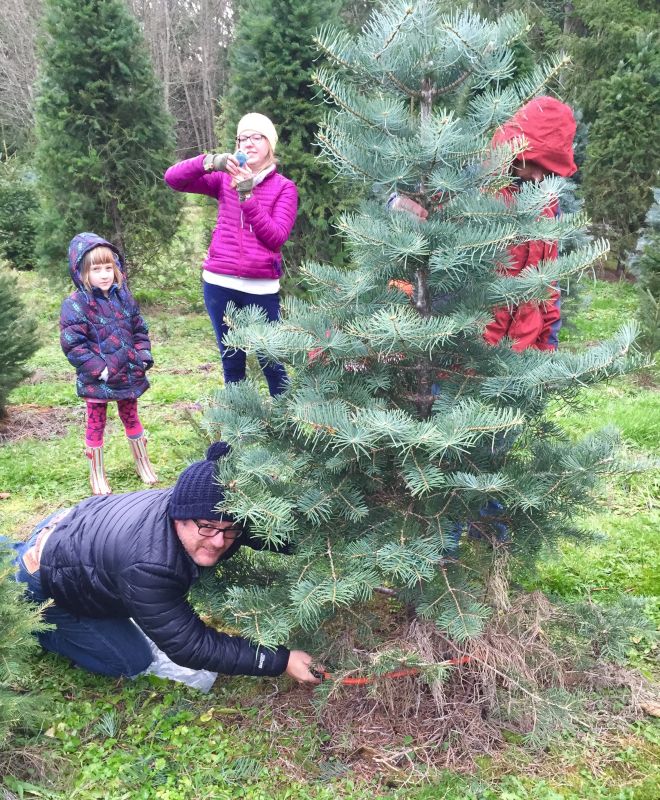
(104, 374)
(244, 189)
(216, 162)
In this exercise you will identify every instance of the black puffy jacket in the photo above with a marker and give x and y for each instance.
(119, 556)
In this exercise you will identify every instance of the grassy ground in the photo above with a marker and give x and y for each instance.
(625, 558)
(148, 739)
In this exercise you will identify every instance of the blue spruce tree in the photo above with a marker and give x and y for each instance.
(408, 457)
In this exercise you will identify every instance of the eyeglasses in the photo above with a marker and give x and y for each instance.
(231, 533)
(255, 138)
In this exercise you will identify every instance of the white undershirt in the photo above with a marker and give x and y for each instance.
(247, 285)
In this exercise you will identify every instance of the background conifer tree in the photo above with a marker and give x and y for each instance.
(408, 456)
(646, 265)
(621, 167)
(600, 36)
(272, 61)
(18, 213)
(18, 621)
(104, 139)
(18, 334)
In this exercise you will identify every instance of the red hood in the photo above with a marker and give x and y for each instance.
(549, 128)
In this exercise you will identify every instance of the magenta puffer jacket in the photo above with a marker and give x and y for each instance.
(248, 236)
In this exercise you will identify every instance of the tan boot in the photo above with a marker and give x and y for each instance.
(97, 479)
(142, 464)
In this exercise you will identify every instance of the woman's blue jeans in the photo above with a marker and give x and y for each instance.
(216, 299)
(114, 647)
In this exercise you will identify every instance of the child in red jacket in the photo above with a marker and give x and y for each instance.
(548, 127)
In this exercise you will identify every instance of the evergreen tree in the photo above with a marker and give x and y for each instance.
(646, 265)
(18, 334)
(18, 204)
(622, 164)
(271, 65)
(18, 621)
(408, 455)
(104, 137)
(546, 20)
(601, 35)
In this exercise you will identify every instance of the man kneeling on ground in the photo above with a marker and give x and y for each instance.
(119, 568)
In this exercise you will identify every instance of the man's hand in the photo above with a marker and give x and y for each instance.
(298, 667)
(400, 202)
(406, 204)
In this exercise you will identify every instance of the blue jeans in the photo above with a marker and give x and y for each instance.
(216, 299)
(114, 647)
(489, 525)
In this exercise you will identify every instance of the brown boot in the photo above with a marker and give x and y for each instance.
(142, 464)
(97, 479)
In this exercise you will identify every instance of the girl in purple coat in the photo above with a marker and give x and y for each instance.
(106, 339)
(257, 208)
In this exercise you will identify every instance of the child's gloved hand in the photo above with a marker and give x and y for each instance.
(147, 360)
(104, 375)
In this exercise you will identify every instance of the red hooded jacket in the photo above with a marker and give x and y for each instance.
(549, 128)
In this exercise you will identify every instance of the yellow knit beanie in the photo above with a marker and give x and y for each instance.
(259, 123)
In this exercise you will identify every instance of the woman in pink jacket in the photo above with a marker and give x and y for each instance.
(257, 208)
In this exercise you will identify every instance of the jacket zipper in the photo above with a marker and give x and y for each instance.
(129, 372)
(240, 236)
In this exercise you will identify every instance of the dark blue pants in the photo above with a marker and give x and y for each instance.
(233, 361)
(113, 647)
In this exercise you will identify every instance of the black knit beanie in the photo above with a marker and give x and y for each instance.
(197, 491)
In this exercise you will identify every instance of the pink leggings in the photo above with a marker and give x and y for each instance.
(96, 416)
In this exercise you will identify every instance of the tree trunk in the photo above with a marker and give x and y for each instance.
(422, 295)
(569, 18)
